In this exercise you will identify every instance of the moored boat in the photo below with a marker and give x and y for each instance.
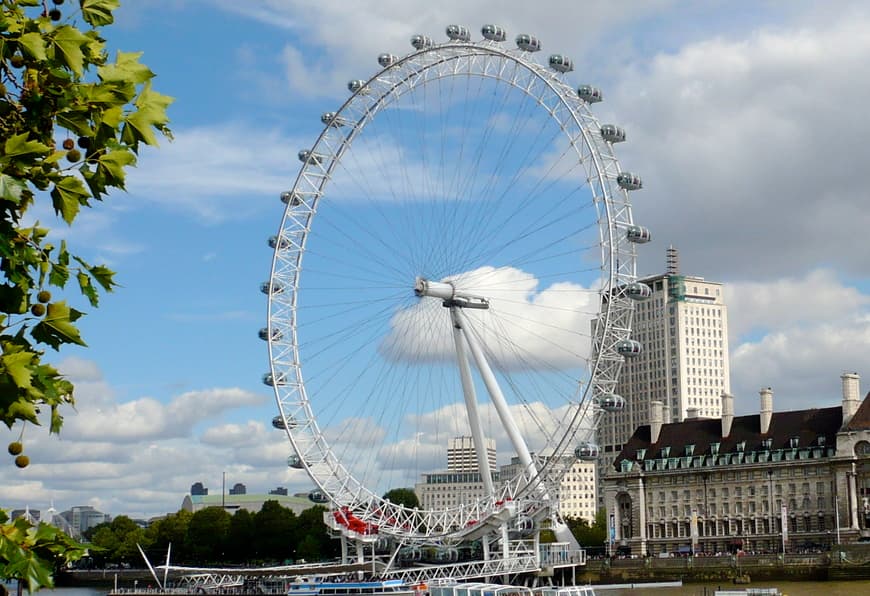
(316, 587)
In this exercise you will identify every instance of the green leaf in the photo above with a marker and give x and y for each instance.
(18, 367)
(23, 410)
(111, 166)
(150, 116)
(19, 145)
(126, 69)
(104, 276)
(76, 120)
(99, 12)
(67, 196)
(59, 274)
(57, 327)
(87, 288)
(11, 189)
(56, 420)
(33, 44)
(67, 42)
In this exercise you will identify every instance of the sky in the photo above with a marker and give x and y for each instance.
(746, 120)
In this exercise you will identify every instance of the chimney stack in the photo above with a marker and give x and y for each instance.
(766, 409)
(656, 418)
(850, 395)
(692, 413)
(727, 414)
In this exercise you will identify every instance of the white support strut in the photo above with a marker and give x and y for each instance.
(471, 404)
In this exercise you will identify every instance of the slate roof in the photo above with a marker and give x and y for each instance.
(807, 425)
(861, 419)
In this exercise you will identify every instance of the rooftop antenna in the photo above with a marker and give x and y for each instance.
(672, 260)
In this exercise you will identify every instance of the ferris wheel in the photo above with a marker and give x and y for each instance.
(456, 258)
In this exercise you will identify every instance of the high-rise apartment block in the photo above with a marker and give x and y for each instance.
(683, 328)
(462, 457)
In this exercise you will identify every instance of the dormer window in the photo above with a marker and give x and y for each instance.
(641, 453)
(666, 451)
(793, 442)
(741, 446)
(714, 448)
(820, 441)
(767, 443)
(690, 450)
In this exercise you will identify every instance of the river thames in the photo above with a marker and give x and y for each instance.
(838, 588)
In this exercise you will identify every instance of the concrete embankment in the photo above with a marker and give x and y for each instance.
(843, 563)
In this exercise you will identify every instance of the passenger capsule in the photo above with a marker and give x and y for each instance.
(263, 334)
(272, 381)
(629, 181)
(638, 291)
(332, 119)
(612, 133)
(422, 41)
(610, 402)
(306, 156)
(358, 86)
(270, 288)
(291, 198)
(528, 43)
(278, 422)
(587, 451)
(458, 33)
(638, 234)
(589, 94)
(295, 462)
(561, 63)
(386, 59)
(493, 33)
(274, 242)
(317, 496)
(629, 348)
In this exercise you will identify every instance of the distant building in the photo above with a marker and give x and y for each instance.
(238, 489)
(197, 489)
(252, 503)
(462, 481)
(798, 479)
(278, 491)
(578, 491)
(462, 456)
(82, 518)
(31, 515)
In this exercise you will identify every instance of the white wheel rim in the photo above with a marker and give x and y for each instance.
(559, 105)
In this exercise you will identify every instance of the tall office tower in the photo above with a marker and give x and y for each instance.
(461, 456)
(683, 329)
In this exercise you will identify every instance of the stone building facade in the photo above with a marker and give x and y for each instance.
(795, 480)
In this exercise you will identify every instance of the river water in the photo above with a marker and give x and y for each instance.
(838, 588)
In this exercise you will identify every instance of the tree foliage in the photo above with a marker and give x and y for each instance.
(72, 121)
(403, 496)
(594, 534)
(30, 553)
(116, 541)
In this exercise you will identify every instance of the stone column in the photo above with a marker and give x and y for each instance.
(853, 499)
(641, 499)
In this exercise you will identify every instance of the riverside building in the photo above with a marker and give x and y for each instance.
(764, 482)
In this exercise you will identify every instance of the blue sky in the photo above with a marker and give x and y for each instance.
(746, 120)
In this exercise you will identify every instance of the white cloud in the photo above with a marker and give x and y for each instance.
(526, 327)
(752, 149)
(220, 171)
(817, 297)
(796, 335)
